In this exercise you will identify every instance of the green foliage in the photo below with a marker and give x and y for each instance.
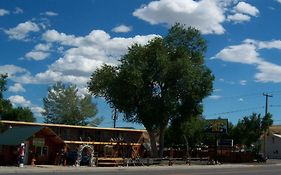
(162, 81)
(19, 114)
(7, 112)
(3, 82)
(63, 106)
(250, 128)
(192, 130)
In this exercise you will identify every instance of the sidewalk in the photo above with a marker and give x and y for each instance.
(51, 168)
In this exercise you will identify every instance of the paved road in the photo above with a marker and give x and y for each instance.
(175, 170)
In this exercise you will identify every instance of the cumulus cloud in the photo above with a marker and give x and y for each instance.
(37, 55)
(243, 13)
(239, 18)
(18, 100)
(22, 30)
(50, 13)
(243, 7)
(248, 53)
(43, 47)
(4, 12)
(122, 29)
(205, 15)
(12, 70)
(268, 72)
(82, 56)
(40, 52)
(17, 87)
(275, 44)
(245, 53)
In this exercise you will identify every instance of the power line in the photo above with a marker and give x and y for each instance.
(235, 111)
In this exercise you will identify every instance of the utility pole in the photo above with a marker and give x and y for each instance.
(266, 111)
(266, 101)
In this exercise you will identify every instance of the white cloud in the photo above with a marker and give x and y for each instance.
(18, 10)
(82, 56)
(122, 29)
(4, 12)
(50, 13)
(238, 18)
(22, 30)
(54, 36)
(242, 13)
(206, 15)
(248, 53)
(11, 70)
(37, 111)
(43, 47)
(40, 52)
(243, 7)
(215, 97)
(18, 100)
(268, 72)
(243, 82)
(241, 99)
(245, 53)
(278, 1)
(37, 55)
(275, 44)
(17, 87)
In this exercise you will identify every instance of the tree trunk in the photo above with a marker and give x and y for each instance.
(154, 152)
(161, 140)
(187, 150)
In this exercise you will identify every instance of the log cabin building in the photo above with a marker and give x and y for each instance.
(44, 142)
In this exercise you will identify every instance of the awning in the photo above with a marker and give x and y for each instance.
(17, 135)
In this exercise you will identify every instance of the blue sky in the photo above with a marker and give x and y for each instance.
(45, 41)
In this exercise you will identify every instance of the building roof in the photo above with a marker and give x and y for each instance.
(70, 126)
(16, 135)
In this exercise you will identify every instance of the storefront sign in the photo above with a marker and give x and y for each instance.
(38, 141)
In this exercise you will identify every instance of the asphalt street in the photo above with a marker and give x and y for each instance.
(264, 169)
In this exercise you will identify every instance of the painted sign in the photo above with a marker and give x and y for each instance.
(217, 126)
(38, 141)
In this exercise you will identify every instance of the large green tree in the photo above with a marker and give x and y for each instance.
(64, 106)
(7, 111)
(159, 82)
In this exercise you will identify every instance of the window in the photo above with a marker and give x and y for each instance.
(42, 151)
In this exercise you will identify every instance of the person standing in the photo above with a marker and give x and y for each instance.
(21, 154)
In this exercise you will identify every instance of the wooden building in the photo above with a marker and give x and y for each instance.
(46, 140)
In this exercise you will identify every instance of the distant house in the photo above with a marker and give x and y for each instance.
(271, 142)
(46, 140)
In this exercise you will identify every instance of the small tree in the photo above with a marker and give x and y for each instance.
(63, 105)
(250, 128)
